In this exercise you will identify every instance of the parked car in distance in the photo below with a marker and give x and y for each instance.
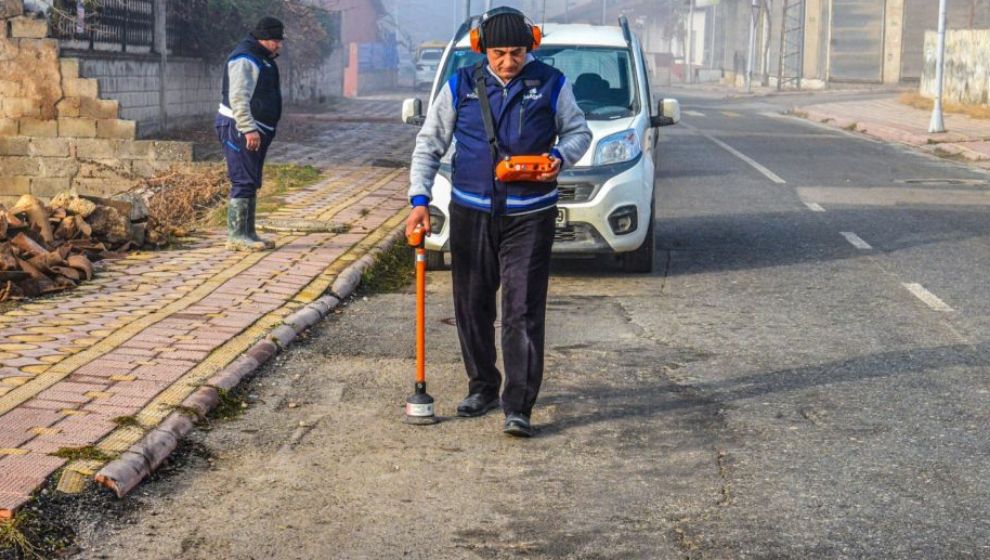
(428, 57)
(606, 199)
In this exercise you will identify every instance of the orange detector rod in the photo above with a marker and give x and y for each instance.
(419, 407)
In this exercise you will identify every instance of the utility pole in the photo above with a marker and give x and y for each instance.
(604, 7)
(938, 123)
(754, 10)
(467, 9)
(690, 43)
(161, 46)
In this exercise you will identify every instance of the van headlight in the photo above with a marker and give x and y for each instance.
(617, 148)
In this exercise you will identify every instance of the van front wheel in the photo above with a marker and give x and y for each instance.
(641, 260)
(434, 260)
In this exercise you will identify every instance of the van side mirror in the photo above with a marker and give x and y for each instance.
(669, 113)
(412, 111)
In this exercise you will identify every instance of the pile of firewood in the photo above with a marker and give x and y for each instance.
(47, 249)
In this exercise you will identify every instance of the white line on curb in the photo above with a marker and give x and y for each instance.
(930, 299)
(856, 240)
(769, 174)
(814, 206)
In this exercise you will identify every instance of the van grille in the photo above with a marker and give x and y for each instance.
(576, 192)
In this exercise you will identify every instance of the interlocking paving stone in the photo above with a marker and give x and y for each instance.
(152, 326)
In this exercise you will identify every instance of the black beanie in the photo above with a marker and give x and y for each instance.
(268, 28)
(507, 30)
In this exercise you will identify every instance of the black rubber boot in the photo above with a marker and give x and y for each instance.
(237, 224)
(251, 233)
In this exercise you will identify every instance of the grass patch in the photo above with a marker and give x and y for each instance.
(949, 155)
(86, 453)
(229, 407)
(918, 101)
(185, 411)
(799, 114)
(279, 180)
(14, 537)
(393, 271)
(127, 422)
(851, 127)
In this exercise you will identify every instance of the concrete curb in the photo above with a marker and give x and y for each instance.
(134, 465)
(880, 130)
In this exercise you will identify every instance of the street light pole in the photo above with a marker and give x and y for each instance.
(937, 123)
(690, 42)
(604, 7)
(752, 46)
(467, 9)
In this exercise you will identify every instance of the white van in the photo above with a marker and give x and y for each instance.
(606, 200)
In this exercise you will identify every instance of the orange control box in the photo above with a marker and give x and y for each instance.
(523, 168)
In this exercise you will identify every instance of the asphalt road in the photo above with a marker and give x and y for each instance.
(803, 376)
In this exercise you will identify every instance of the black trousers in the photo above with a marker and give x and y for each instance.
(512, 252)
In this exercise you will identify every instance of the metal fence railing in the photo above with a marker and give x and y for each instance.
(128, 23)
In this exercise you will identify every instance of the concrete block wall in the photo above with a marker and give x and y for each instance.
(56, 132)
(192, 88)
(967, 66)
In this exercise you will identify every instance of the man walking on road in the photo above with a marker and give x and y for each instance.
(250, 109)
(500, 232)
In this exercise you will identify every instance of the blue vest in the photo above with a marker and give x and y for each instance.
(266, 103)
(524, 114)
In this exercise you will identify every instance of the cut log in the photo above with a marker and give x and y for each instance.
(110, 225)
(68, 272)
(48, 260)
(15, 275)
(7, 260)
(83, 226)
(36, 214)
(71, 202)
(82, 264)
(13, 222)
(67, 228)
(27, 246)
(31, 270)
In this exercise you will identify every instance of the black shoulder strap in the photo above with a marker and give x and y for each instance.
(486, 110)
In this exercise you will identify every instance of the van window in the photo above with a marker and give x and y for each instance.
(602, 77)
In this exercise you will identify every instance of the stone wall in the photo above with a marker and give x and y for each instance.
(56, 132)
(967, 66)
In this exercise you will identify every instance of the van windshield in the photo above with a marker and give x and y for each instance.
(602, 77)
(432, 55)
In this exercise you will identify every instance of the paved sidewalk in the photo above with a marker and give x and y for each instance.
(152, 327)
(890, 120)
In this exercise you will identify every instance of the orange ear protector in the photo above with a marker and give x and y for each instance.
(478, 34)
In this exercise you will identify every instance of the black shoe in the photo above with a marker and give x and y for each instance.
(517, 424)
(476, 405)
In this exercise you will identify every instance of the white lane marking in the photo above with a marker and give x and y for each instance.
(769, 174)
(693, 113)
(856, 241)
(930, 299)
(814, 206)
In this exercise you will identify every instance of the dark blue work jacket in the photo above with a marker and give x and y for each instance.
(524, 115)
(266, 102)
